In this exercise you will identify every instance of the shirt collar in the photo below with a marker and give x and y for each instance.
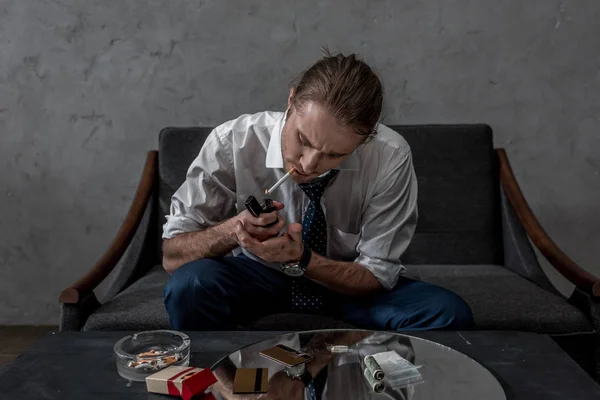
(274, 158)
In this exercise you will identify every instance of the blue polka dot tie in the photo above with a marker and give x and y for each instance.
(314, 236)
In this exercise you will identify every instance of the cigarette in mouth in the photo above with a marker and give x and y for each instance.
(279, 182)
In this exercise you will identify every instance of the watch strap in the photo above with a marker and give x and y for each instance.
(306, 377)
(305, 258)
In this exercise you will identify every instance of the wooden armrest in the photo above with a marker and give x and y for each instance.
(563, 264)
(74, 293)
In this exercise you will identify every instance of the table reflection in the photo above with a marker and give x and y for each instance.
(337, 376)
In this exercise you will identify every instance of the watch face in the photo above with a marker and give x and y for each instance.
(296, 370)
(293, 270)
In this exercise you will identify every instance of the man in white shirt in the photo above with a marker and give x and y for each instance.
(343, 220)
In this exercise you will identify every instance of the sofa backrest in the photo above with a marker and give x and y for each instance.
(459, 198)
(177, 148)
(458, 189)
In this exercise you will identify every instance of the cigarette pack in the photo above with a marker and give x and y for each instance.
(184, 382)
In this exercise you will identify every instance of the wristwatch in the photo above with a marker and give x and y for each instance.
(297, 268)
(299, 372)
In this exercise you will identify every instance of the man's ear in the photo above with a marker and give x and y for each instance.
(291, 97)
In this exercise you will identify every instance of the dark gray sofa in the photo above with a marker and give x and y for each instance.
(473, 237)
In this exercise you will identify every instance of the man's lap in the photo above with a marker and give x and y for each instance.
(252, 290)
(225, 286)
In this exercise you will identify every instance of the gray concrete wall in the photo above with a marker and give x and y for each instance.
(85, 86)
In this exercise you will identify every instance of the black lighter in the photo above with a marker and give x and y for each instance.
(256, 208)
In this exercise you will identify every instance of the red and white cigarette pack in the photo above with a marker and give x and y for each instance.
(185, 382)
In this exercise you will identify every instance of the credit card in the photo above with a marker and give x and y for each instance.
(251, 380)
(286, 355)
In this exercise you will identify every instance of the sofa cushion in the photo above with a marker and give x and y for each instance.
(139, 307)
(459, 205)
(500, 299)
(503, 300)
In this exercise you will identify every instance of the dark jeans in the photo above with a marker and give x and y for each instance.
(222, 293)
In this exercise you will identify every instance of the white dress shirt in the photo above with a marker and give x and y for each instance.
(370, 207)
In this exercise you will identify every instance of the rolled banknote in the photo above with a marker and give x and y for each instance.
(377, 386)
(374, 367)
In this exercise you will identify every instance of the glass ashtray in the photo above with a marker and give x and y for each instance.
(146, 353)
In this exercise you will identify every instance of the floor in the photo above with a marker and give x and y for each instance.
(16, 339)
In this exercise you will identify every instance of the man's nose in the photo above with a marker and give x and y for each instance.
(309, 162)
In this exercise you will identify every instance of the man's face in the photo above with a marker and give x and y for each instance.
(313, 142)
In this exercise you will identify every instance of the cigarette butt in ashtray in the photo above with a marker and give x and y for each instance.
(279, 182)
(374, 367)
(377, 386)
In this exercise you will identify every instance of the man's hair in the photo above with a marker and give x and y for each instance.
(347, 87)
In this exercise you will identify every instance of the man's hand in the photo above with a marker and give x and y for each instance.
(255, 225)
(285, 248)
(217, 240)
(341, 276)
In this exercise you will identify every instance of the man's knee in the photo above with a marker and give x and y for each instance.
(452, 312)
(191, 282)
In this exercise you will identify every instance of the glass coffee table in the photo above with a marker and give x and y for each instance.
(338, 366)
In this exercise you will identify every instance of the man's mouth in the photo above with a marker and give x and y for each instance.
(302, 174)
(297, 171)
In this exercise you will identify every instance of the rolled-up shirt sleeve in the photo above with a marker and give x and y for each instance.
(389, 222)
(207, 196)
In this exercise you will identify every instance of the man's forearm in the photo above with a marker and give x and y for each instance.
(215, 241)
(343, 277)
